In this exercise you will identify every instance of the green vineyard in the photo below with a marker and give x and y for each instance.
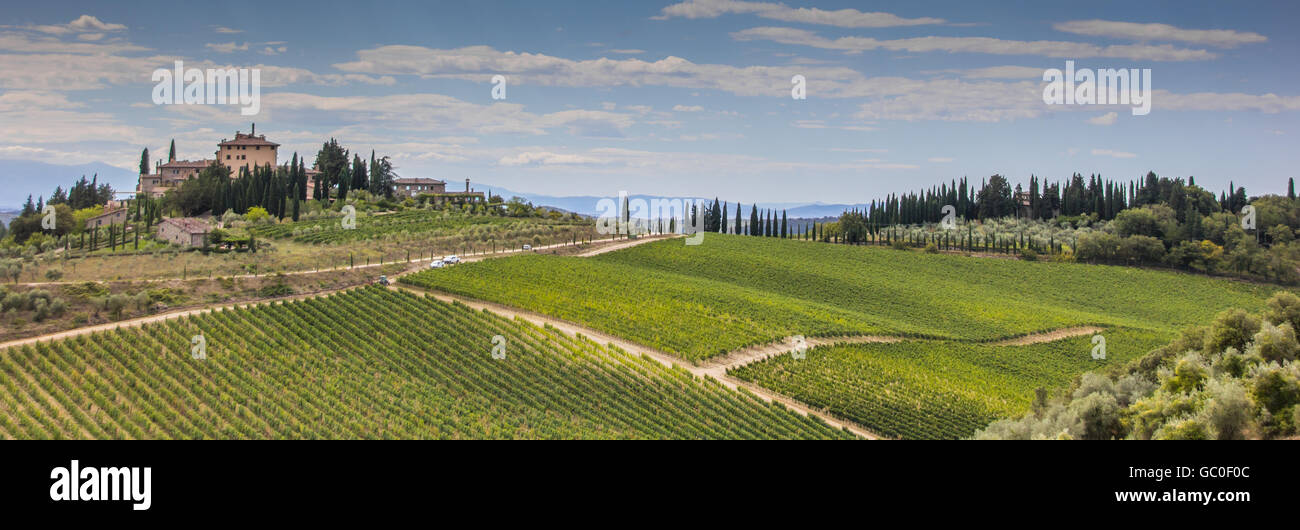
(735, 291)
(367, 363)
(937, 389)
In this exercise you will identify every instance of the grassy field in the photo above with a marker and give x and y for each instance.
(318, 244)
(937, 389)
(736, 291)
(369, 363)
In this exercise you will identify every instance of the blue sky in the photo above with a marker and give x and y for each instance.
(673, 98)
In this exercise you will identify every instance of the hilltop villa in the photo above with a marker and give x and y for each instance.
(251, 150)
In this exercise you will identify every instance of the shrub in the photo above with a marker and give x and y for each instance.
(1183, 429)
(1028, 254)
(1229, 410)
(1275, 344)
(54, 275)
(1231, 328)
(930, 248)
(1283, 307)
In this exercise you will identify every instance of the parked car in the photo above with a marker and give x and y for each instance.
(451, 260)
(528, 247)
(437, 264)
(383, 280)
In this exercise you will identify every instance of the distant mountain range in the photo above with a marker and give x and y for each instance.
(20, 178)
(586, 204)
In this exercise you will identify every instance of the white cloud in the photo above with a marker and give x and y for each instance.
(83, 24)
(436, 112)
(226, 47)
(1108, 118)
(533, 158)
(987, 45)
(627, 51)
(480, 63)
(1112, 153)
(273, 50)
(1001, 72)
(684, 108)
(226, 30)
(844, 18)
(1222, 38)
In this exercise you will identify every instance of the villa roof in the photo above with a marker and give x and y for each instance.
(248, 139)
(188, 225)
(188, 163)
(416, 180)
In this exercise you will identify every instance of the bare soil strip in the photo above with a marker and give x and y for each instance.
(1049, 336)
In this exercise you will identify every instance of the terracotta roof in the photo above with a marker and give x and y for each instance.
(248, 139)
(105, 214)
(407, 181)
(189, 225)
(188, 163)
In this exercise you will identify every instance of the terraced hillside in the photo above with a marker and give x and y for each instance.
(736, 291)
(368, 363)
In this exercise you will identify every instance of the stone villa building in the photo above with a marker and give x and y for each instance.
(246, 151)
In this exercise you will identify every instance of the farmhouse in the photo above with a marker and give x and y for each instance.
(183, 231)
(111, 217)
(410, 187)
(435, 190)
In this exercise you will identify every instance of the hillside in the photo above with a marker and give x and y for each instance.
(413, 367)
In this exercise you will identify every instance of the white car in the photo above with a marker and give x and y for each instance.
(528, 247)
(437, 264)
(451, 260)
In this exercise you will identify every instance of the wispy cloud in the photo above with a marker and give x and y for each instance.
(986, 45)
(1108, 118)
(226, 47)
(1222, 38)
(844, 18)
(1112, 153)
